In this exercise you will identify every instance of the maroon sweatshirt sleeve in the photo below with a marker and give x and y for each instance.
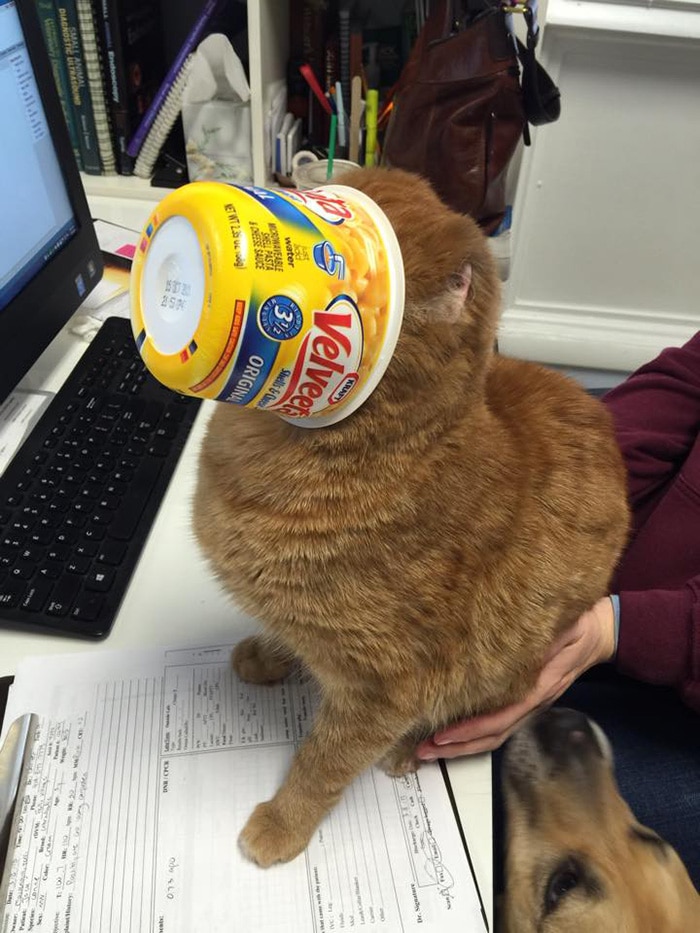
(659, 638)
(657, 421)
(656, 412)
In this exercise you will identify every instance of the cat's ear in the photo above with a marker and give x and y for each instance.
(461, 281)
(449, 302)
(458, 292)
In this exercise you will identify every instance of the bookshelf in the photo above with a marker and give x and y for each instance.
(128, 200)
(268, 45)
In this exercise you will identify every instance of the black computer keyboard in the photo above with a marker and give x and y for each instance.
(81, 494)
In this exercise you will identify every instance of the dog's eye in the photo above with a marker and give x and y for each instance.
(565, 877)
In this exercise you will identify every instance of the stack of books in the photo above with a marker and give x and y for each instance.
(119, 97)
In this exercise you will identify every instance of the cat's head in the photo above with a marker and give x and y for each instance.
(452, 288)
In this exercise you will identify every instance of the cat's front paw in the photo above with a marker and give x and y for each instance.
(396, 763)
(271, 836)
(257, 662)
(401, 758)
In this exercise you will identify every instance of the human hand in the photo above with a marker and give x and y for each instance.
(590, 641)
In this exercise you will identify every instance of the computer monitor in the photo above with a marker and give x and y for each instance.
(49, 255)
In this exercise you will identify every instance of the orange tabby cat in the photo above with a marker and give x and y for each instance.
(420, 556)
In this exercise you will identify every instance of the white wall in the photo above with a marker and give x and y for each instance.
(605, 264)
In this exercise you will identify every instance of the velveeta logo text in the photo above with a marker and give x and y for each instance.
(327, 206)
(327, 363)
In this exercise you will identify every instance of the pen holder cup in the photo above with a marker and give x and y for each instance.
(313, 174)
(281, 300)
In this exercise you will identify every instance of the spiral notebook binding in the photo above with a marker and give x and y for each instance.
(163, 123)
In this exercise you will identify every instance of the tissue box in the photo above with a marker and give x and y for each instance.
(216, 115)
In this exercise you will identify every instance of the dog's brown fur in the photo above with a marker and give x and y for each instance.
(577, 859)
(420, 556)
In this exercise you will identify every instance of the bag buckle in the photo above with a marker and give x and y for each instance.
(527, 9)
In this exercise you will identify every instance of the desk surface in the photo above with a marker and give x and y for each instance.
(173, 599)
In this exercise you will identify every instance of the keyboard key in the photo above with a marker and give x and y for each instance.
(115, 489)
(35, 597)
(51, 570)
(94, 533)
(174, 414)
(75, 520)
(135, 500)
(78, 565)
(150, 416)
(111, 552)
(128, 463)
(59, 552)
(86, 548)
(41, 535)
(99, 580)
(23, 570)
(62, 595)
(102, 517)
(158, 448)
(10, 593)
(21, 526)
(66, 536)
(88, 607)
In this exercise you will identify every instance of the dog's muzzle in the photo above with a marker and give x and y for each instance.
(556, 743)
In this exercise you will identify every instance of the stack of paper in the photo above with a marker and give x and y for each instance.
(142, 768)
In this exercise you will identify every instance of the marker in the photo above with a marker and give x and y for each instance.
(371, 124)
(331, 146)
(310, 79)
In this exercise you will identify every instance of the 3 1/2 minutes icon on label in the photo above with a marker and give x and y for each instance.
(280, 317)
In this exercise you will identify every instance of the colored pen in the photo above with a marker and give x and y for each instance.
(310, 79)
(331, 101)
(342, 139)
(355, 115)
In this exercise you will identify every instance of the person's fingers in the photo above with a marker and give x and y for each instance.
(430, 750)
(460, 749)
(488, 724)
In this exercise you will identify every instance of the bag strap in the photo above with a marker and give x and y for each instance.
(448, 17)
(541, 97)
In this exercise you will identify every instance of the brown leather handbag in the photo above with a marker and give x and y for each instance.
(459, 110)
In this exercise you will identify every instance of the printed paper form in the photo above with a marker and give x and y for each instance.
(18, 414)
(145, 767)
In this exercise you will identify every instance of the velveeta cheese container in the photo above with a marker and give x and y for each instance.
(282, 300)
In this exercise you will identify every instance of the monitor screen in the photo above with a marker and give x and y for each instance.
(49, 258)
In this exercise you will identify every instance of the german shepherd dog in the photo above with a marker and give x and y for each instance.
(577, 861)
